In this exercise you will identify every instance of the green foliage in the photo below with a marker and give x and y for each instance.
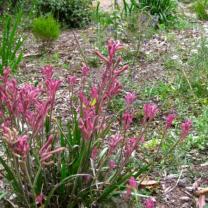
(73, 13)
(128, 23)
(200, 141)
(196, 77)
(46, 28)
(11, 42)
(163, 10)
(200, 9)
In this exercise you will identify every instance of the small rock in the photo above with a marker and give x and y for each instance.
(186, 205)
(171, 176)
(185, 198)
(189, 188)
(182, 182)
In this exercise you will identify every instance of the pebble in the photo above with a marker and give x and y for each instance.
(171, 176)
(185, 198)
(186, 205)
(182, 182)
(189, 188)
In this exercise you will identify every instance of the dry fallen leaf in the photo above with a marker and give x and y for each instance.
(201, 202)
(150, 184)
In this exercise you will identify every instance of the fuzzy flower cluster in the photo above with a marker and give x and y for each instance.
(25, 108)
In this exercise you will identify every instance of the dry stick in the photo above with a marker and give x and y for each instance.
(171, 189)
(186, 77)
(80, 49)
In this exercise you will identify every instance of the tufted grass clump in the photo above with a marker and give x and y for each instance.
(200, 9)
(46, 28)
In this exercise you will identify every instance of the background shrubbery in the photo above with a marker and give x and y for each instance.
(74, 13)
(163, 10)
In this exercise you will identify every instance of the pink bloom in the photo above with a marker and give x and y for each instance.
(36, 117)
(22, 146)
(28, 96)
(39, 200)
(130, 146)
(83, 99)
(52, 87)
(185, 128)
(120, 70)
(142, 139)
(18, 144)
(127, 120)
(46, 152)
(150, 111)
(94, 93)
(5, 76)
(87, 122)
(85, 70)
(47, 72)
(150, 203)
(1, 114)
(169, 120)
(112, 164)
(113, 142)
(132, 185)
(94, 153)
(114, 89)
(102, 58)
(113, 47)
(130, 98)
(72, 80)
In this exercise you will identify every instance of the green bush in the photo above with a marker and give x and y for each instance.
(46, 28)
(163, 10)
(200, 9)
(73, 13)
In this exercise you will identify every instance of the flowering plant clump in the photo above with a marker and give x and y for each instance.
(51, 163)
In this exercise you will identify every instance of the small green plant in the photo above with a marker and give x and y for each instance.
(46, 28)
(195, 77)
(163, 10)
(200, 141)
(200, 9)
(10, 44)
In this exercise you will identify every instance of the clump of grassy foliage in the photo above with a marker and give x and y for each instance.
(11, 42)
(46, 28)
(200, 9)
(163, 10)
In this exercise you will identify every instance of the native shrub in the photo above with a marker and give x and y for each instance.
(46, 28)
(54, 163)
(74, 13)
